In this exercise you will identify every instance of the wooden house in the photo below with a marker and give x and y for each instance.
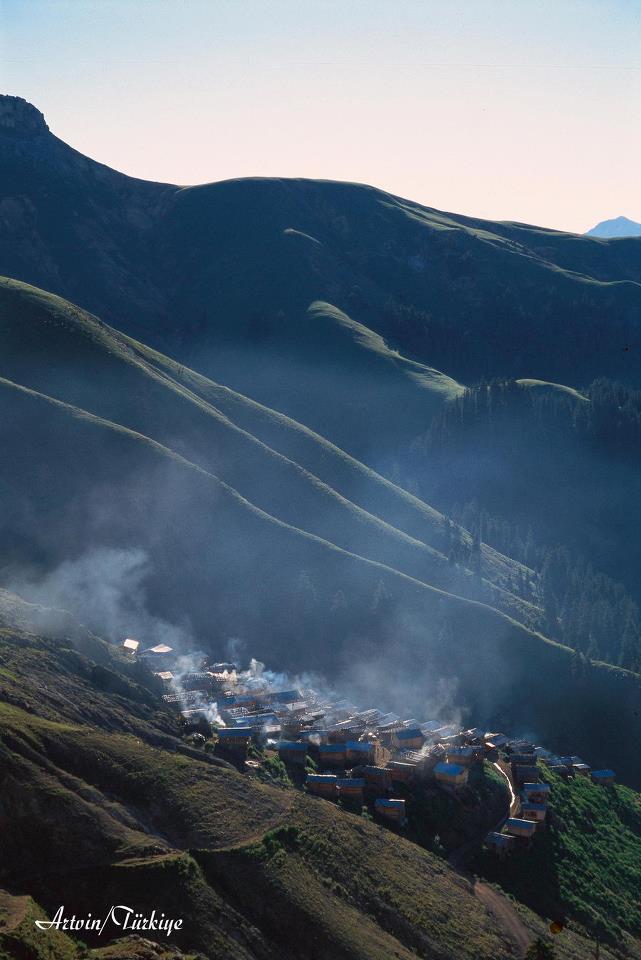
(293, 752)
(408, 738)
(451, 775)
(582, 769)
(561, 770)
(520, 827)
(379, 778)
(360, 751)
(234, 738)
(500, 844)
(332, 754)
(536, 792)
(402, 772)
(603, 777)
(390, 809)
(351, 788)
(465, 756)
(322, 784)
(534, 811)
(525, 774)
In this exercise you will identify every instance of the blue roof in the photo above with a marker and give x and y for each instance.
(413, 734)
(359, 745)
(536, 787)
(292, 745)
(603, 773)
(287, 696)
(386, 802)
(518, 822)
(321, 778)
(331, 748)
(234, 731)
(451, 768)
(350, 782)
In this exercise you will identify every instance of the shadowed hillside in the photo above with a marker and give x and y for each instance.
(119, 807)
(222, 276)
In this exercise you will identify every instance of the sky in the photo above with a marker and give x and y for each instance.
(505, 109)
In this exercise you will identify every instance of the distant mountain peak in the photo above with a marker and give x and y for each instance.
(20, 118)
(617, 227)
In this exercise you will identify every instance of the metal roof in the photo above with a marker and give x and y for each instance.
(450, 769)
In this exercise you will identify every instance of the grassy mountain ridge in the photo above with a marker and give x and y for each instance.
(221, 276)
(223, 541)
(59, 351)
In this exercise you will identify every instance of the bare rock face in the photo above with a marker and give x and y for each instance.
(20, 118)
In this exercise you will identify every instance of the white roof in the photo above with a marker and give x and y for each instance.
(165, 675)
(130, 644)
(159, 648)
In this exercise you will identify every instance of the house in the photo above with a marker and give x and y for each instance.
(391, 809)
(522, 759)
(332, 754)
(351, 788)
(498, 741)
(402, 772)
(322, 784)
(131, 646)
(292, 752)
(408, 738)
(582, 769)
(500, 843)
(464, 756)
(534, 811)
(286, 696)
(160, 650)
(525, 774)
(518, 827)
(536, 792)
(378, 777)
(234, 738)
(359, 751)
(165, 675)
(603, 777)
(451, 775)
(561, 770)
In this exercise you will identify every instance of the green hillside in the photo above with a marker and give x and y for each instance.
(586, 865)
(222, 277)
(119, 806)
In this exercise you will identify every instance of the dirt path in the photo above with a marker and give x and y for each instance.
(515, 803)
(505, 915)
(494, 902)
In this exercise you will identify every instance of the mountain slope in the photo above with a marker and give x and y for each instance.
(618, 227)
(159, 825)
(222, 276)
(55, 349)
(215, 562)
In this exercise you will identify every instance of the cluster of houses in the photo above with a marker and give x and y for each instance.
(342, 752)
(533, 795)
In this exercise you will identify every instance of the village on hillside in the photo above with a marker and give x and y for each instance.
(358, 756)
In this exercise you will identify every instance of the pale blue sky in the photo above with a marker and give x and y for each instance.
(508, 109)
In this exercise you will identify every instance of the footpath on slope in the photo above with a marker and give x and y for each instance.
(494, 902)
